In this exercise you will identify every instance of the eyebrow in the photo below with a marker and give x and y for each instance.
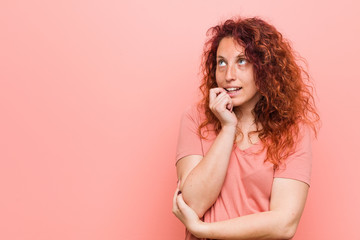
(238, 56)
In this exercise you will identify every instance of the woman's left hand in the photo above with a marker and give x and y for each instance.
(186, 215)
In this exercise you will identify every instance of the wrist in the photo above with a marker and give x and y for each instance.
(231, 129)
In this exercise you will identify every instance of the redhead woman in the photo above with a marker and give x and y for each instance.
(244, 152)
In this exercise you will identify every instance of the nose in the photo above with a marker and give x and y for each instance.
(230, 72)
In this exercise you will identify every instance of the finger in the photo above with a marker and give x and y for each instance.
(229, 106)
(179, 213)
(222, 101)
(184, 209)
(217, 99)
(214, 92)
(217, 90)
(175, 206)
(180, 202)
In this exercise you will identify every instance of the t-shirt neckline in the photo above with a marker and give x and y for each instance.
(248, 149)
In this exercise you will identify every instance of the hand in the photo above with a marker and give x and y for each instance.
(221, 105)
(185, 214)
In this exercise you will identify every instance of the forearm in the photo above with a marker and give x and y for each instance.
(203, 184)
(263, 225)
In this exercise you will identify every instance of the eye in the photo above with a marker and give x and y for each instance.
(221, 63)
(242, 61)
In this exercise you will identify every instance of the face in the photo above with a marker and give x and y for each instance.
(235, 74)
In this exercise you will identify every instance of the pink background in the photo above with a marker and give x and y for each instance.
(91, 94)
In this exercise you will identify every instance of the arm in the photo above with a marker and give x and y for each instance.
(288, 199)
(202, 177)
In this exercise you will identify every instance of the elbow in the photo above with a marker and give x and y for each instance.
(201, 212)
(288, 233)
(288, 230)
(196, 205)
(199, 203)
(284, 234)
(198, 208)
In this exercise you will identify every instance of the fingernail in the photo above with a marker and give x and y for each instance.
(179, 192)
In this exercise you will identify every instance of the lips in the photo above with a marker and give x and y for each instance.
(232, 89)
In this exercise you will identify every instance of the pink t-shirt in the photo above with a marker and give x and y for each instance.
(248, 182)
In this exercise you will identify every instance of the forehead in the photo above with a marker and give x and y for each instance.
(228, 46)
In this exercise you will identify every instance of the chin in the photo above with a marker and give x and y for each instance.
(236, 103)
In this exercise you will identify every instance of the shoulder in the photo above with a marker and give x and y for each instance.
(195, 112)
(305, 135)
(194, 117)
(298, 163)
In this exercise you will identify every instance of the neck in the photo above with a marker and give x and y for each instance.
(244, 115)
(244, 112)
(246, 124)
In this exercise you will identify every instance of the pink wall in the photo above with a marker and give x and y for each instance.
(91, 94)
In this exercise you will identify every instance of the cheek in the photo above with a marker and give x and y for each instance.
(217, 77)
(251, 81)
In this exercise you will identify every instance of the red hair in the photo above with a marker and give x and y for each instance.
(286, 93)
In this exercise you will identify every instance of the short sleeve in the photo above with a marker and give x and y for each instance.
(189, 141)
(298, 165)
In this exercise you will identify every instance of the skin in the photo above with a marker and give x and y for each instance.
(234, 70)
(288, 199)
(288, 196)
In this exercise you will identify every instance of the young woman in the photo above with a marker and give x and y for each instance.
(244, 152)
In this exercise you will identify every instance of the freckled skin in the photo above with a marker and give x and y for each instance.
(234, 70)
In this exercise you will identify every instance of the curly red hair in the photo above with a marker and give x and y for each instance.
(286, 92)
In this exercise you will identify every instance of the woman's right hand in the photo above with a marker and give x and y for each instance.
(220, 104)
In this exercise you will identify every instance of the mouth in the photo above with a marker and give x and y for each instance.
(232, 89)
(233, 92)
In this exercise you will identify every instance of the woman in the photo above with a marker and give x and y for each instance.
(244, 152)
